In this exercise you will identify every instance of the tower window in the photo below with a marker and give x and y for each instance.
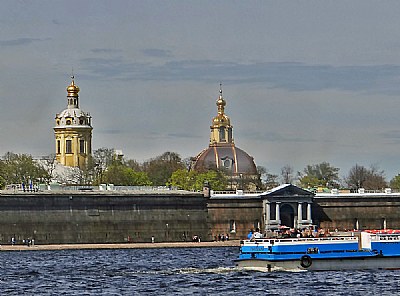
(82, 146)
(230, 135)
(221, 134)
(68, 146)
(58, 146)
(68, 122)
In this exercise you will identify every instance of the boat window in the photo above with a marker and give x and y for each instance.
(312, 251)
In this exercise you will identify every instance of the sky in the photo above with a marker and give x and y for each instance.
(305, 81)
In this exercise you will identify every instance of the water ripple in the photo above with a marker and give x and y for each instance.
(192, 271)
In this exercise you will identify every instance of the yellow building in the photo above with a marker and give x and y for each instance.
(73, 132)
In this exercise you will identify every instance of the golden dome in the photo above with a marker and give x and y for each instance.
(221, 120)
(72, 89)
(221, 103)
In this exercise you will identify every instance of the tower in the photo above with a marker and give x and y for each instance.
(221, 129)
(73, 132)
(222, 154)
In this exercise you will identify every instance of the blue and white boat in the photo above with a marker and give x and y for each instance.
(365, 250)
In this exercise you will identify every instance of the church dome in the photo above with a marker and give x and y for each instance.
(228, 157)
(73, 116)
(72, 89)
(222, 154)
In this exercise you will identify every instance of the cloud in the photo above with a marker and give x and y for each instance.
(183, 135)
(20, 41)
(157, 53)
(106, 50)
(277, 137)
(291, 76)
(393, 135)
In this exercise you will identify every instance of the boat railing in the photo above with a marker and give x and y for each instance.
(300, 240)
(385, 237)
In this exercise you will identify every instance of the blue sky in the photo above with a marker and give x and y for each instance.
(305, 81)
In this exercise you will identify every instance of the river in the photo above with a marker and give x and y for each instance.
(175, 271)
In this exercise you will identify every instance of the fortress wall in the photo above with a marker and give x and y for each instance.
(102, 218)
(371, 212)
(95, 217)
(244, 213)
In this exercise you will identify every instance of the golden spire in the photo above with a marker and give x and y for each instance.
(72, 89)
(221, 102)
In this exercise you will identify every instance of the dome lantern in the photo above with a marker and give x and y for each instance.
(72, 89)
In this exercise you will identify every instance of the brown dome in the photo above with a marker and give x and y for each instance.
(225, 157)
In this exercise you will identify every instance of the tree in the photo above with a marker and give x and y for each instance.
(22, 169)
(49, 164)
(2, 173)
(134, 165)
(376, 179)
(160, 169)
(119, 174)
(395, 182)
(193, 180)
(356, 177)
(319, 175)
(101, 159)
(267, 179)
(287, 174)
(361, 177)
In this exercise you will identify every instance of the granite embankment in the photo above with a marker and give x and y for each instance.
(231, 243)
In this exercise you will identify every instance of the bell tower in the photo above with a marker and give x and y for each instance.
(73, 132)
(221, 128)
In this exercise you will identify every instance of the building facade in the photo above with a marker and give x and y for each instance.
(73, 132)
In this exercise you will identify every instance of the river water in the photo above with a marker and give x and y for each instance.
(178, 271)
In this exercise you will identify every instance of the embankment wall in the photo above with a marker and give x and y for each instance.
(111, 217)
(363, 212)
(55, 218)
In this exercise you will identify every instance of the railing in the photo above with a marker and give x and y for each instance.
(300, 240)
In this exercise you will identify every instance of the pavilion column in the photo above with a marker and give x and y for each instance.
(277, 213)
(299, 214)
(267, 215)
(309, 212)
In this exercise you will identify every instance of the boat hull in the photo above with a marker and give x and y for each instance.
(361, 263)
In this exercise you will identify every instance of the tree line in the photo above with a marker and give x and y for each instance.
(169, 169)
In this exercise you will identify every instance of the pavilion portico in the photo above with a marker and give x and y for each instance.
(287, 205)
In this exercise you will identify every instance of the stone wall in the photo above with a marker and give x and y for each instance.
(51, 218)
(368, 211)
(112, 217)
(234, 216)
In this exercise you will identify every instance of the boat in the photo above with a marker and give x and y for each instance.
(372, 249)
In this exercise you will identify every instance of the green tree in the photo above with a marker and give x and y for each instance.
(395, 182)
(216, 180)
(193, 180)
(319, 175)
(2, 173)
(160, 169)
(22, 169)
(119, 174)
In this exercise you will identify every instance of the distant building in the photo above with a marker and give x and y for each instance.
(73, 132)
(222, 154)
